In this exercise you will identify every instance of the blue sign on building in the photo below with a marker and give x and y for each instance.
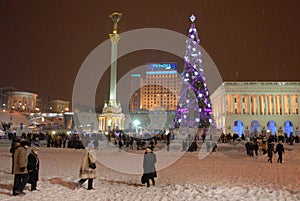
(161, 66)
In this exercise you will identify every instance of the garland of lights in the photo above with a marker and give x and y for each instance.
(194, 107)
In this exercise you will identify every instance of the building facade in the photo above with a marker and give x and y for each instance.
(248, 107)
(161, 87)
(4, 96)
(135, 91)
(156, 92)
(59, 106)
(158, 89)
(21, 101)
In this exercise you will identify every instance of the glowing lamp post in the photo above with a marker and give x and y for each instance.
(136, 124)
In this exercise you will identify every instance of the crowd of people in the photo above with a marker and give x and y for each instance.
(229, 137)
(25, 166)
(268, 147)
(25, 160)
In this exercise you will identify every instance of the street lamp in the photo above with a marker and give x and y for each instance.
(136, 123)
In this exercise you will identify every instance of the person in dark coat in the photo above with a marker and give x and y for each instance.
(149, 166)
(247, 145)
(270, 151)
(96, 144)
(14, 145)
(279, 150)
(33, 168)
(256, 147)
(120, 143)
(251, 149)
(193, 146)
(20, 168)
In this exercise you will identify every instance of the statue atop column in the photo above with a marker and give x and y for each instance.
(112, 111)
(116, 16)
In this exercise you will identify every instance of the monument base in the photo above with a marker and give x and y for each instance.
(111, 117)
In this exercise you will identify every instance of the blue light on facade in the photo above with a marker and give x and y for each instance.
(162, 66)
(161, 72)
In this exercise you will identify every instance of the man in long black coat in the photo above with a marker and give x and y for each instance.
(33, 168)
(279, 150)
(149, 166)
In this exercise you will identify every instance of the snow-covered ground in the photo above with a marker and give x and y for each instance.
(224, 175)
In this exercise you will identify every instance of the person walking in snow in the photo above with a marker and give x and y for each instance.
(88, 168)
(149, 166)
(270, 151)
(280, 151)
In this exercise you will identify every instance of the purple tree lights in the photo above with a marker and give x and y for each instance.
(194, 105)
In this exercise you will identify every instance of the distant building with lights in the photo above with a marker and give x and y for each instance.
(47, 105)
(249, 107)
(21, 101)
(135, 91)
(60, 106)
(4, 96)
(156, 91)
(38, 111)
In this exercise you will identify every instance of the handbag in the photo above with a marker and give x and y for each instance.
(92, 165)
(143, 179)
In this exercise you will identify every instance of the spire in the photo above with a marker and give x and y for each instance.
(193, 18)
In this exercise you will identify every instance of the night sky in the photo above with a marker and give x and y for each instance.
(44, 43)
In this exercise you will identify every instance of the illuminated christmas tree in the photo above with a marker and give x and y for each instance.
(194, 106)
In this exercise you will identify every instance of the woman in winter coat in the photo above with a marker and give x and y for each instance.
(33, 168)
(149, 166)
(88, 168)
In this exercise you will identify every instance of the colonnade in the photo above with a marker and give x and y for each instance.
(263, 104)
(112, 122)
(23, 101)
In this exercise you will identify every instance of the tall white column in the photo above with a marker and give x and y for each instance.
(18, 103)
(250, 104)
(224, 106)
(298, 100)
(291, 105)
(282, 104)
(266, 104)
(274, 104)
(241, 103)
(114, 37)
(255, 104)
(30, 104)
(26, 104)
(113, 70)
(233, 104)
(258, 105)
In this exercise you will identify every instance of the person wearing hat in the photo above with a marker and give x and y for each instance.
(14, 145)
(149, 166)
(33, 167)
(20, 168)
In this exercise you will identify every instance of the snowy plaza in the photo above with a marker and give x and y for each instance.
(227, 174)
(93, 113)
